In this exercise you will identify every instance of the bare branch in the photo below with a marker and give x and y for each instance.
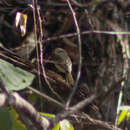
(25, 108)
(80, 56)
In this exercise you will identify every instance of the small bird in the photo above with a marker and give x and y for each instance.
(63, 63)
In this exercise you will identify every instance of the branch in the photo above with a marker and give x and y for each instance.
(25, 108)
(11, 57)
(80, 56)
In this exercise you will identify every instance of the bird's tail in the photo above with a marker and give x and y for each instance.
(69, 78)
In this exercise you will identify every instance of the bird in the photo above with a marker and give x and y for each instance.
(63, 64)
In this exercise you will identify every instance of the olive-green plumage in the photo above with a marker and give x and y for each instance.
(63, 63)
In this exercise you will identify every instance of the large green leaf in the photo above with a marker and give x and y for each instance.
(13, 77)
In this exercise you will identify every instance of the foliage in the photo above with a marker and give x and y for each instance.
(16, 123)
(124, 115)
(9, 120)
(6, 122)
(63, 125)
(105, 53)
(13, 77)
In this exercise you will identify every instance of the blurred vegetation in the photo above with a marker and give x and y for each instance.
(105, 55)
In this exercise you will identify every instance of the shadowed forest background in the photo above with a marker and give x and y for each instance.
(98, 46)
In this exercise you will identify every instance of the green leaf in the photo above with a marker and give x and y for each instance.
(5, 120)
(63, 125)
(13, 77)
(122, 116)
(17, 124)
(57, 127)
(128, 116)
(47, 115)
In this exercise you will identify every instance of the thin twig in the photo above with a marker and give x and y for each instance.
(46, 97)
(71, 110)
(103, 124)
(93, 2)
(83, 103)
(123, 43)
(11, 57)
(64, 36)
(80, 55)
(38, 29)
(87, 32)
(25, 108)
